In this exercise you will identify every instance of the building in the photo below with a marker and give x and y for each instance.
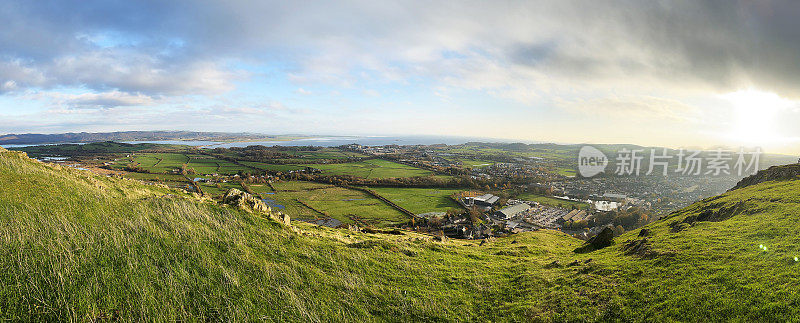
(511, 211)
(614, 196)
(575, 215)
(486, 200)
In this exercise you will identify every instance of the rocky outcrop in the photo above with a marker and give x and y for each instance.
(603, 239)
(250, 203)
(773, 173)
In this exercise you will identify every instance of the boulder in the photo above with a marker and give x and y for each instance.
(245, 201)
(250, 203)
(554, 264)
(603, 239)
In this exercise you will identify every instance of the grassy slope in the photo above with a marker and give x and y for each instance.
(74, 245)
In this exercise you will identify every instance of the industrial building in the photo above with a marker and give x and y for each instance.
(486, 200)
(511, 211)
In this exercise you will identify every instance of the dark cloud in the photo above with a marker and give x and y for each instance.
(184, 47)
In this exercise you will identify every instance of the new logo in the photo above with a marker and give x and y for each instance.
(591, 161)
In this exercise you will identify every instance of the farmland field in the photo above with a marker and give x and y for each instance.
(346, 205)
(272, 167)
(160, 163)
(372, 168)
(420, 200)
(201, 164)
(326, 153)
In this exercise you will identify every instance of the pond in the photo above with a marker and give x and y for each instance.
(272, 203)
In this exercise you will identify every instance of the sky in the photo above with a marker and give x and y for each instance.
(666, 73)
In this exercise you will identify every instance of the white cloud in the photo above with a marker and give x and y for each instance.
(103, 100)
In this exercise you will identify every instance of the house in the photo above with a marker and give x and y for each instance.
(511, 225)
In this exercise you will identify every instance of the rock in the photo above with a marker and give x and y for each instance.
(678, 226)
(245, 201)
(250, 203)
(603, 239)
(285, 219)
(554, 264)
(639, 248)
(721, 214)
(642, 248)
(644, 232)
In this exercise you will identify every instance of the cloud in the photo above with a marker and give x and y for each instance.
(613, 57)
(105, 100)
(181, 47)
(626, 108)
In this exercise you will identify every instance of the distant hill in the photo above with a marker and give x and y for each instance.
(75, 246)
(105, 147)
(86, 137)
(774, 173)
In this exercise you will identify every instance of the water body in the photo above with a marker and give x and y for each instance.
(272, 203)
(367, 141)
(29, 145)
(176, 142)
(332, 141)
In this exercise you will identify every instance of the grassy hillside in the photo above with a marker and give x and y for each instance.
(75, 246)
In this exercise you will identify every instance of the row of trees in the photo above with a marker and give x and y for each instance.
(626, 219)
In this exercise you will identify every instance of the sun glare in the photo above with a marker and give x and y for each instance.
(756, 116)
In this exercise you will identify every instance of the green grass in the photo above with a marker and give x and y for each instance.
(298, 185)
(552, 201)
(346, 205)
(325, 153)
(420, 200)
(80, 247)
(372, 168)
(273, 167)
(569, 172)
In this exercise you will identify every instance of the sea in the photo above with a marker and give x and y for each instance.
(328, 141)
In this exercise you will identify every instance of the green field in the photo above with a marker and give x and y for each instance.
(325, 153)
(346, 205)
(273, 167)
(420, 200)
(160, 163)
(372, 168)
(569, 172)
(169, 162)
(552, 201)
